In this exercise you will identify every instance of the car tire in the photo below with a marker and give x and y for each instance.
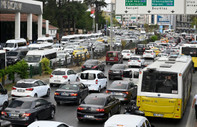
(36, 119)
(52, 114)
(80, 120)
(79, 101)
(109, 115)
(48, 93)
(58, 103)
(51, 85)
(5, 104)
(99, 89)
(36, 95)
(77, 79)
(103, 68)
(119, 109)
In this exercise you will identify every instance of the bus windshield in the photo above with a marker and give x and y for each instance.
(33, 58)
(160, 82)
(189, 51)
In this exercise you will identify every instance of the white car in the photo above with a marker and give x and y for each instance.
(95, 80)
(46, 123)
(126, 54)
(30, 88)
(135, 61)
(62, 76)
(3, 97)
(125, 120)
(149, 54)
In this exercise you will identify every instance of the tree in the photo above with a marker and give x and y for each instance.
(194, 21)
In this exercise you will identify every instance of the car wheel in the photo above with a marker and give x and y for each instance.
(79, 101)
(80, 120)
(77, 79)
(58, 102)
(68, 81)
(119, 109)
(36, 119)
(52, 115)
(5, 104)
(105, 85)
(35, 95)
(109, 115)
(51, 85)
(48, 93)
(99, 89)
(103, 68)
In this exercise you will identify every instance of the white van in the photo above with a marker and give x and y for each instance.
(124, 120)
(34, 57)
(3, 98)
(45, 39)
(40, 46)
(15, 44)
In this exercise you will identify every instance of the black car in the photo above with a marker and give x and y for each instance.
(15, 56)
(140, 49)
(93, 64)
(71, 93)
(116, 71)
(24, 111)
(123, 90)
(98, 107)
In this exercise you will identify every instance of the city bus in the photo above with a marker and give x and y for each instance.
(191, 50)
(164, 87)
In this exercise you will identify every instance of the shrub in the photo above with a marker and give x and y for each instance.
(153, 38)
(22, 69)
(45, 63)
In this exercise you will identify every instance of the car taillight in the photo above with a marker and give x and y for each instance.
(51, 76)
(56, 93)
(96, 81)
(100, 110)
(107, 91)
(144, 48)
(151, 53)
(4, 113)
(126, 92)
(128, 54)
(110, 71)
(83, 66)
(139, 61)
(94, 67)
(30, 89)
(80, 108)
(26, 114)
(65, 76)
(129, 60)
(13, 88)
(73, 94)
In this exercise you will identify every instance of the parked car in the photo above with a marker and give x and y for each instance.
(136, 61)
(149, 54)
(114, 57)
(71, 93)
(25, 110)
(123, 90)
(62, 76)
(94, 79)
(30, 88)
(126, 54)
(3, 97)
(47, 123)
(15, 56)
(93, 64)
(125, 120)
(140, 49)
(116, 71)
(98, 107)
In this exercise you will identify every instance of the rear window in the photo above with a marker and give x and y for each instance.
(118, 85)
(69, 87)
(24, 85)
(20, 104)
(88, 76)
(118, 67)
(140, 46)
(91, 62)
(126, 51)
(58, 73)
(94, 100)
(12, 53)
(134, 58)
(111, 54)
(148, 51)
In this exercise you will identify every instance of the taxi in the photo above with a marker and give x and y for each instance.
(156, 50)
(80, 49)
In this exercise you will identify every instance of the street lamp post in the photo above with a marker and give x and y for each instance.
(111, 27)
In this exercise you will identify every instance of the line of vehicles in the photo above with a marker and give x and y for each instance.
(161, 89)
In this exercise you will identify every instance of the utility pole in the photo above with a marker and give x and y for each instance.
(111, 27)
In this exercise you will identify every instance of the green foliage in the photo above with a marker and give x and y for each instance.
(21, 69)
(194, 21)
(123, 43)
(154, 38)
(46, 66)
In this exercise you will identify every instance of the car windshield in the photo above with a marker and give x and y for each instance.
(125, 51)
(12, 53)
(160, 82)
(33, 58)
(58, 73)
(69, 87)
(23, 85)
(189, 51)
(134, 58)
(20, 104)
(118, 85)
(94, 100)
(112, 54)
(9, 45)
(88, 76)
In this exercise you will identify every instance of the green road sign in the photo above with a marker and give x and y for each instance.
(135, 2)
(162, 2)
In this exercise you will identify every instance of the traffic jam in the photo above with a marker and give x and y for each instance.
(123, 88)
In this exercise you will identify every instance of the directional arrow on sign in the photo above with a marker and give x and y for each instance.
(172, 11)
(126, 11)
(149, 11)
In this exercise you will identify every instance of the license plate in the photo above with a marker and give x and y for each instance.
(158, 115)
(65, 94)
(13, 115)
(116, 93)
(56, 80)
(88, 116)
(20, 90)
(111, 58)
(116, 71)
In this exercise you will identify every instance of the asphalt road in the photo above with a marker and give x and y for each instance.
(67, 112)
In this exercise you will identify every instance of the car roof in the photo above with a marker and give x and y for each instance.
(91, 71)
(121, 81)
(27, 99)
(62, 69)
(124, 119)
(27, 80)
(102, 95)
(43, 123)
